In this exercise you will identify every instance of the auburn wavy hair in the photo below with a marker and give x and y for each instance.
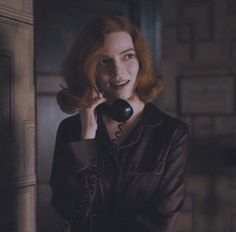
(80, 66)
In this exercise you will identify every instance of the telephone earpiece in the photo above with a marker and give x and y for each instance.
(120, 110)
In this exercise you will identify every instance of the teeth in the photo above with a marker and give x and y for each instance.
(119, 82)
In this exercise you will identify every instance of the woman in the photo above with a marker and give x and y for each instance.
(110, 176)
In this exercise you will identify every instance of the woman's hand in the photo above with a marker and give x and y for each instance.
(89, 120)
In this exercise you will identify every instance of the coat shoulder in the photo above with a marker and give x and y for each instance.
(69, 128)
(156, 117)
(176, 124)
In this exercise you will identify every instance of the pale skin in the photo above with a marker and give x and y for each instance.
(117, 74)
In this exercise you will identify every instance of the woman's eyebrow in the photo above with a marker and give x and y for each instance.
(128, 50)
(122, 52)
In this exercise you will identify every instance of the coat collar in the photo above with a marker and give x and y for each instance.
(152, 116)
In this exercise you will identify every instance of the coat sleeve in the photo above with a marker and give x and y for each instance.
(73, 177)
(160, 214)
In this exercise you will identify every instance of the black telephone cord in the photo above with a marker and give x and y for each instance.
(117, 135)
(81, 203)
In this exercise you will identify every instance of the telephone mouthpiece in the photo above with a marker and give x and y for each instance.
(121, 110)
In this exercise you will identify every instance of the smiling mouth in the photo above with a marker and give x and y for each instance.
(119, 83)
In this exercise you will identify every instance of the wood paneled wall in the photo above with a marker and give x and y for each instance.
(17, 118)
(199, 40)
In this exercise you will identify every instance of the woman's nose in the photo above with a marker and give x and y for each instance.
(117, 68)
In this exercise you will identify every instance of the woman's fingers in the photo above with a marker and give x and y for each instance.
(99, 101)
(89, 119)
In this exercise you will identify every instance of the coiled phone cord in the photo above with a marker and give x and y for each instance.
(117, 135)
(81, 203)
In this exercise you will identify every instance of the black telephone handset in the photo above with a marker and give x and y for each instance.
(120, 110)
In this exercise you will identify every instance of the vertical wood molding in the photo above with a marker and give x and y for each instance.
(5, 94)
(29, 149)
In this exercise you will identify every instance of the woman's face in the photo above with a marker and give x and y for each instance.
(118, 67)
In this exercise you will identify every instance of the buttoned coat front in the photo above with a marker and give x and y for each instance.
(139, 186)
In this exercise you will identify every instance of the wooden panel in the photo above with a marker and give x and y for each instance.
(18, 95)
(20, 10)
(17, 117)
(17, 211)
(201, 14)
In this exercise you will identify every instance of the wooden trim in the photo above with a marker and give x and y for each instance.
(5, 93)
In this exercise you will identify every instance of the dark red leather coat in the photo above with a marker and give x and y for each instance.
(139, 187)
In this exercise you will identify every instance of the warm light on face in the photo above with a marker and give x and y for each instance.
(118, 67)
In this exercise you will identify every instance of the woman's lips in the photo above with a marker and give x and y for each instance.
(119, 84)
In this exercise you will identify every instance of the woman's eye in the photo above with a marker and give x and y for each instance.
(104, 61)
(129, 56)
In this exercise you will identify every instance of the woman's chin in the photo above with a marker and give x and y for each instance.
(110, 99)
(113, 96)
(129, 98)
